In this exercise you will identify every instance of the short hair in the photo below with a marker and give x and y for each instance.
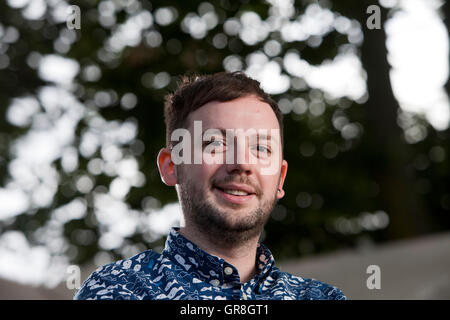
(194, 91)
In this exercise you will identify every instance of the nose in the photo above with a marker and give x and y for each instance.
(237, 168)
(238, 158)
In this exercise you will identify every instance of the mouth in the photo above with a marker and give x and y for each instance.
(236, 194)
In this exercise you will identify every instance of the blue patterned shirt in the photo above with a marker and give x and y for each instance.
(183, 271)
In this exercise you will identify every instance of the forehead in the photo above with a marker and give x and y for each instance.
(243, 113)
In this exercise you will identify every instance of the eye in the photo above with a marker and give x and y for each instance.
(215, 143)
(214, 146)
(262, 149)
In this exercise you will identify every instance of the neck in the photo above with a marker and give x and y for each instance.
(241, 255)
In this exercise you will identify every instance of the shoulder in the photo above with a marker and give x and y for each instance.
(308, 289)
(117, 280)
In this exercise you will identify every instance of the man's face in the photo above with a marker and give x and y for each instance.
(232, 199)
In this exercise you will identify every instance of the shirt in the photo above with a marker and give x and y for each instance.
(183, 271)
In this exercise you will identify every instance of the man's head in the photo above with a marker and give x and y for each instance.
(230, 200)
(195, 91)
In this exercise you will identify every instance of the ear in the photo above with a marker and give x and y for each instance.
(166, 167)
(284, 166)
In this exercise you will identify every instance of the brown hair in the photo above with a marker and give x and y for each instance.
(195, 91)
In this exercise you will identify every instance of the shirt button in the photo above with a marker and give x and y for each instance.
(228, 270)
(215, 282)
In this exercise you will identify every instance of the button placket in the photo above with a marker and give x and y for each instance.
(228, 270)
(230, 275)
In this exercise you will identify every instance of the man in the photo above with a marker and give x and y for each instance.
(224, 155)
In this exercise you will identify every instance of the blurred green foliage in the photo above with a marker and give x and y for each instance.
(332, 179)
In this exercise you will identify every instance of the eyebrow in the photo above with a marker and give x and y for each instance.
(264, 136)
(222, 131)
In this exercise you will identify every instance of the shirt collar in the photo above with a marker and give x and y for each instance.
(188, 257)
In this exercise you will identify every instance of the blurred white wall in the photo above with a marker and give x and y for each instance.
(409, 269)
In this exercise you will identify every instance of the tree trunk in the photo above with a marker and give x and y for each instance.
(390, 153)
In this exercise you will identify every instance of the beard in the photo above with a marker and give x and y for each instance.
(223, 226)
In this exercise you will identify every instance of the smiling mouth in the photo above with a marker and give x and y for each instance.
(233, 196)
(235, 192)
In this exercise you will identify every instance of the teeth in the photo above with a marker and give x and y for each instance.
(236, 192)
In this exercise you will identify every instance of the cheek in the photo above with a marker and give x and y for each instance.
(202, 174)
(269, 184)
